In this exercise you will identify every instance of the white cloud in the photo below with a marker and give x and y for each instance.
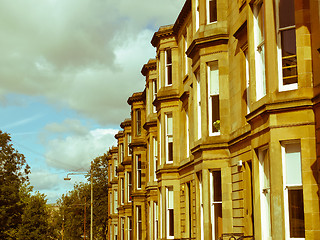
(75, 152)
(80, 54)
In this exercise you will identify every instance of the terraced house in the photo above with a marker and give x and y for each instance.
(223, 142)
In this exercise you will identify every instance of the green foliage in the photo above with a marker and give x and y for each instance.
(13, 174)
(75, 203)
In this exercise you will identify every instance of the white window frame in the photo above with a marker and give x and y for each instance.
(187, 134)
(128, 143)
(122, 190)
(155, 157)
(208, 11)
(197, 12)
(168, 65)
(159, 141)
(115, 228)
(129, 227)
(282, 87)
(265, 189)
(213, 202)
(111, 203)
(169, 206)
(115, 200)
(154, 92)
(198, 104)
(129, 179)
(155, 220)
(201, 206)
(139, 220)
(169, 136)
(247, 80)
(286, 187)
(122, 228)
(259, 50)
(139, 171)
(216, 83)
(121, 152)
(186, 67)
(160, 213)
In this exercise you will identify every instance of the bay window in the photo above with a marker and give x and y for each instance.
(129, 186)
(198, 94)
(155, 157)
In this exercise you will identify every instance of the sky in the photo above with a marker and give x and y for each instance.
(67, 68)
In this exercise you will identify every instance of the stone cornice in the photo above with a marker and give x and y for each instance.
(138, 144)
(199, 43)
(151, 65)
(136, 97)
(126, 123)
(166, 94)
(150, 124)
(184, 96)
(119, 135)
(163, 32)
(182, 16)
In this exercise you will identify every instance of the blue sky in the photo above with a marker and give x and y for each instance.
(66, 71)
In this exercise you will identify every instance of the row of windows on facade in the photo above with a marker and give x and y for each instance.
(288, 73)
(293, 197)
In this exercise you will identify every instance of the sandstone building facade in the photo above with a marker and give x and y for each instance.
(224, 139)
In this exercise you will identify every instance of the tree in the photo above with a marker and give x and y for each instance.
(76, 203)
(13, 175)
(35, 219)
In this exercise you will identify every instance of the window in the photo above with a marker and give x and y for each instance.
(213, 101)
(121, 151)
(111, 202)
(259, 32)
(122, 191)
(185, 54)
(211, 11)
(122, 228)
(115, 205)
(111, 171)
(197, 15)
(155, 91)
(198, 103)
(160, 211)
(115, 232)
(138, 122)
(170, 213)
(201, 206)
(168, 59)
(139, 171)
(264, 177)
(155, 157)
(293, 191)
(287, 40)
(160, 129)
(216, 204)
(156, 223)
(130, 235)
(115, 160)
(129, 187)
(169, 138)
(187, 133)
(139, 223)
(129, 141)
(247, 82)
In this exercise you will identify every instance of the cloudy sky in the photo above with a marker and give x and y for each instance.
(67, 68)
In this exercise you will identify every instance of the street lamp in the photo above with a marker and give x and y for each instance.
(91, 203)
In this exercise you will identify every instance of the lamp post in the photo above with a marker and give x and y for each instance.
(91, 202)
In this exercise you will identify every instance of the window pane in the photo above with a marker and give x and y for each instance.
(296, 213)
(169, 57)
(218, 220)
(171, 222)
(214, 78)
(215, 112)
(213, 10)
(217, 196)
(286, 13)
(169, 72)
(293, 164)
(169, 124)
(170, 151)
